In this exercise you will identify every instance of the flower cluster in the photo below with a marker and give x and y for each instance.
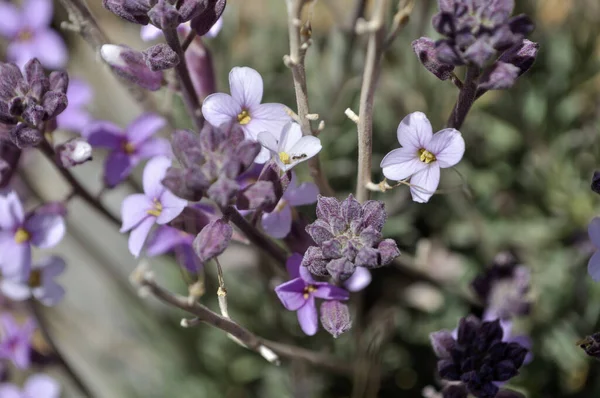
(348, 235)
(477, 356)
(28, 102)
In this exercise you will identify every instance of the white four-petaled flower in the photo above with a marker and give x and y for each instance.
(422, 155)
(291, 148)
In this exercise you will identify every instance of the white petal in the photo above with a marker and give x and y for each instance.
(263, 156)
(414, 131)
(269, 141)
(292, 133)
(448, 146)
(424, 183)
(401, 163)
(15, 290)
(220, 108)
(307, 147)
(246, 86)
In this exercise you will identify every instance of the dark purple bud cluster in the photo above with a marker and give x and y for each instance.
(167, 14)
(478, 357)
(160, 57)
(210, 163)
(591, 345)
(28, 102)
(504, 287)
(348, 235)
(476, 31)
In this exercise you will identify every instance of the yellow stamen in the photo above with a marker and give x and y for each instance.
(156, 210)
(35, 278)
(285, 158)
(308, 290)
(425, 156)
(244, 117)
(128, 148)
(25, 35)
(22, 236)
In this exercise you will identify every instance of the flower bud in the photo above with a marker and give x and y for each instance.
(455, 391)
(207, 18)
(499, 76)
(256, 196)
(200, 63)
(74, 152)
(425, 50)
(335, 318)
(129, 10)
(212, 240)
(522, 55)
(24, 136)
(130, 65)
(596, 182)
(160, 57)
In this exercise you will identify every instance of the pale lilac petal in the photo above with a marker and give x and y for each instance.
(401, 163)
(138, 235)
(290, 135)
(79, 93)
(414, 131)
(150, 33)
(306, 275)
(117, 166)
(46, 229)
(20, 52)
(359, 280)
(11, 21)
(278, 223)
(424, 183)
(267, 117)
(307, 147)
(593, 230)
(220, 108)
(134, 210)
(172, 206)
(293, 265)
(269, 141)
(41, 386)
(144, 127)
(187, 258)
(10, 327)
(15, 290)
(38, 13)
(154, 147)
(594, 267)
(10, 390)
(104, 135)
(49, 294)
(330, 292)
(165, 239)
(51, 50)
(448, 146)
(304, 194)
(291, 294)
(308, 317)
(246, 86)
(74, 119)
(11, 211)
(263, 156)
(15, 260)
(51, 266)
(154, 172)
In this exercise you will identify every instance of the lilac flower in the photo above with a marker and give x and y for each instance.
(292, 148)
(15, 343)
(18, 232)
(278, 223)
(359, 280)
(30, 35)
(299, 294)
(127, 147)
(167, 239)
(76, 117)
(36, 386)
(422, 155)
(243, 107)
(594, 263)
(156, 205)
(39, 284)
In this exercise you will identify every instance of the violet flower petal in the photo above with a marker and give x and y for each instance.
(593, 230)
(359, 280)
(11, 20)
(246, 86)
(172, 206)
(308, 317)
(329, 292)
(134, 210)
(11, 211)
(401, 163)
(293, 265)
(41, 386)
(51, 50)
(219, 108)
(144, 127)
(278, 223)
(424, 183)
(448, 146)
(138, 235)
(154, 172)
(46, 230)
(38, 13)
(414, 131)
(594, 267)
(291, 294)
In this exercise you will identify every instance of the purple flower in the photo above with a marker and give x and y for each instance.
(244, 107)
(15, 344)
(422, 155)
(127, 147)
(167, 239)
(39, 283)
(36, 386)
(594, 263)
(278, 223)
(18, 232)
(360, 279)
(300, 293)
(30, 35)
(156, 205)
(292, 148)
(76, 117)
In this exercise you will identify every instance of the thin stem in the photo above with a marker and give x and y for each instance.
(466, 98)
(78, 189)
(43, 327)
(222, 291)
(375, 47)
(188, 40)
(190, 97)
(295, 61)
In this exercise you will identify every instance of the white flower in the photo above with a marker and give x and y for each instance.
(292, 148)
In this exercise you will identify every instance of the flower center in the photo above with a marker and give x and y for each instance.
(308, 290)
(156, 210)
(425, 156)
(22, 236)
(25, 35)
(284, 157)
(244, 117)
(35, 278)
(128, 148)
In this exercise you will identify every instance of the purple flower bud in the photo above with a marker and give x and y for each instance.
(319, 231)
(130, 65)
(223, 191)
(340, 269)
(257, 196)
(135, 11)
(327, 207)
(499, 76)
(246, 152)
(367, 257)
(59, 81)
(480, 52)
(54, 102)
(164, 15)
(200, 63)
(24, 136)
(388, 251)
(426, 51)
(9, 159)
(186, 147)
(315, 262)
(74, 152)
(212, 240)
(160, 57)
(442, 343)
(335, 317)
(186, 183)
(596, 182)
(455, 391)
(208, 17)
(522, 55)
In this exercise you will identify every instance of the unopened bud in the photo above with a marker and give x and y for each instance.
(212, 240)
(160, 57)
(74, 152)
(130, 65)
(335, 318)
(425, 50)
